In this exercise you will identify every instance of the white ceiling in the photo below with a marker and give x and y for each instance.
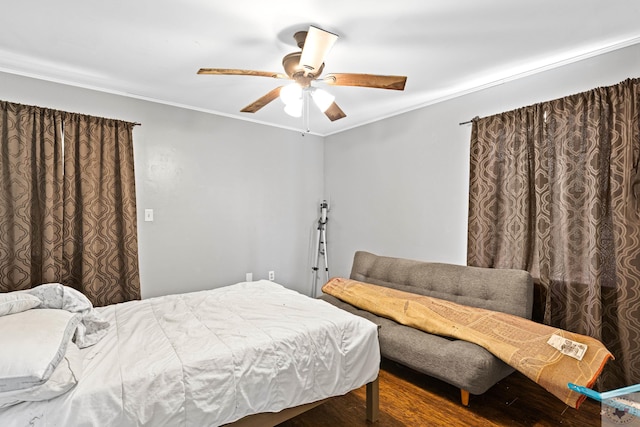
(151, 49)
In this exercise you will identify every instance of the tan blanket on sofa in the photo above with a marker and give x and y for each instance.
(519, 342)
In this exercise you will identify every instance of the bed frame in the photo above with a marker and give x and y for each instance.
(270, 419)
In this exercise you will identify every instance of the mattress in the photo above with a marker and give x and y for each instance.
(212, 357)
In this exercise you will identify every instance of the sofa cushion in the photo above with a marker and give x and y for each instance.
(460, 363)
(508, 291)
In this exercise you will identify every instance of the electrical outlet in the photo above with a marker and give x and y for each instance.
(272, 275)
(249, 277)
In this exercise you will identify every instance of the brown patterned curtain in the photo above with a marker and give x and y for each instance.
(67, 203)
(555, 190)
(30, 196)
(100, 229)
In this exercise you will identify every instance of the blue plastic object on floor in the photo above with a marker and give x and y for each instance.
(613, 398)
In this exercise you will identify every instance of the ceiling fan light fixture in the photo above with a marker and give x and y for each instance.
(316, 46)
(294, 109)
(322, 99)
(291, 94)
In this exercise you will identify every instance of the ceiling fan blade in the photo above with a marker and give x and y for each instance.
(262, 101)
(366, 80)
(237, 72)
(334, 112)
(316, 46)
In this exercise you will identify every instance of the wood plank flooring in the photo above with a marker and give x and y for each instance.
(408, 398)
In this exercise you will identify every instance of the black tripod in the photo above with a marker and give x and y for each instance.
(321, 245)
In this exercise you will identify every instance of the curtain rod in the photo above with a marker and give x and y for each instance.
(468, 121)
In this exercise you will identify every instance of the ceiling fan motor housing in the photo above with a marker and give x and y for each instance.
(298, 73)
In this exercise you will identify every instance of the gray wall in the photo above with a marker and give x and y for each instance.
(229, 196)
(399, 187)
(232, 197)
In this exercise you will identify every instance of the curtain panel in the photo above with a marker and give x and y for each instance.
(67, 203)
(554, 189)
(30, 196)
(100, 230)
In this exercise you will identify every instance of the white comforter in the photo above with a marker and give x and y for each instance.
(210, 358)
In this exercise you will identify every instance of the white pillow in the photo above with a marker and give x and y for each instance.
(32, 344)
(57, 295)
(92, 326)
(63, 379)
(16, 302)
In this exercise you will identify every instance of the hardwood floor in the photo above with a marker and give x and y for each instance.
(408, 398)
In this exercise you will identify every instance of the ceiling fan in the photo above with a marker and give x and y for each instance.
(304, 68)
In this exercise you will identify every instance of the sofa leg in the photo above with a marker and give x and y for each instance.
(464, 395)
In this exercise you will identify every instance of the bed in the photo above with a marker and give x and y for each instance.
(253, 353)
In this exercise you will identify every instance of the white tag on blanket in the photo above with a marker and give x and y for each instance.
(566, 346)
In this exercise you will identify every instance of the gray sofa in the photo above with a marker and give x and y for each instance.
(460, 363)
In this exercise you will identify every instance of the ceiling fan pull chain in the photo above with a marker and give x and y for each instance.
(305, 104)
